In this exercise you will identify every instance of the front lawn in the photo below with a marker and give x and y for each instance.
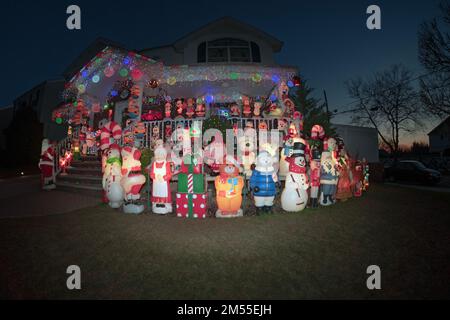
(312, 254)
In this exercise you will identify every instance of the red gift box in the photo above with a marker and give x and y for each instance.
(194, 208)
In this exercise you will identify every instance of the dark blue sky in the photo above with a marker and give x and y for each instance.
(327, 40)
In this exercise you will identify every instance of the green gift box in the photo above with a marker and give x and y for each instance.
(199, 182)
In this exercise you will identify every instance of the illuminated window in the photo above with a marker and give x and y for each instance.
(228, 50)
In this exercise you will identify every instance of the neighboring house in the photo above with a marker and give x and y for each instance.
(439, 137)
(361, 142)
(42, 99)
(6, 115)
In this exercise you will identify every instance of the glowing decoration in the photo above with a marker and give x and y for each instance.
(123, 72)
(161, 173)
(96, 79)
(132, 180)
(328, 179)
(153, 83)
(314, 177)
(136, 74)
(294, 197)
(109, 72)
(209, 98)
(247, 147)
(273, 97)
(234, 75)
(109, 130)
(262, 182)
(290, 84)
(81, 88)
(275, 78)
(171, 81)
(59, 120)
(296, 81)
(126, 60)
(256, 77)
(114, 93)
(112, 176)
(229, 187)
(85, 74)
(46, 165)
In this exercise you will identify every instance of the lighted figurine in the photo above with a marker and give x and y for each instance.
(213, 154)
(247, 147)
(365, 166)
(168, 110)
(179, 107)
(290, 107)
(358, 178)
(263, 182)
(155, 136)
(289, 140)
(112, 177)
(314, 177)
(263, 126)
(168, 132)
(132, 179)
(344, 185)
(328, 179)
(294, 197)
(160, 172)
(46, 165)
(200, 108)
(190, 109)
(235, 111)
(257, 109)
(246, 108)
(229, 185)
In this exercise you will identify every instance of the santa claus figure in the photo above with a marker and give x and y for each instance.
(46, 164)
(160, 172)
(132, 179)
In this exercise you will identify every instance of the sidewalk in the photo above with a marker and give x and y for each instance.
(22, 197)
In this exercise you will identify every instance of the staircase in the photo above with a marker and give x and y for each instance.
(83, 176)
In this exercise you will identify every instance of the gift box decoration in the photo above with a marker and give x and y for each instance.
(190, 205)
(194, 181)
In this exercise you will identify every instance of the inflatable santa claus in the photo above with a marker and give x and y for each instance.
(46, 165)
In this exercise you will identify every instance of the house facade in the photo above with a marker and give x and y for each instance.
(439, 137)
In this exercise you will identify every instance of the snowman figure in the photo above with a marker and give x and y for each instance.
(262, 182)
(295, 196)
(112, 177)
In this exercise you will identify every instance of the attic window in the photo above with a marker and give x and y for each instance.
(228, 50)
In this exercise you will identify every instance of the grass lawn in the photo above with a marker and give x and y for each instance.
(312, 254)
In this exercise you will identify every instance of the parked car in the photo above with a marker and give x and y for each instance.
(412, 171)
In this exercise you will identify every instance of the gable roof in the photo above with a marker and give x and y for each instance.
(87, 54)
(447, 120)
(229, 22)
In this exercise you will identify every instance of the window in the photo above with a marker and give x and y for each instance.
(228, 50)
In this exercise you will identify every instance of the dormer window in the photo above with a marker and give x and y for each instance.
(228, 50)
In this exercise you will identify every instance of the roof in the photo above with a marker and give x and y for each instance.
(88, 53)
(179, 44)
(446, 121)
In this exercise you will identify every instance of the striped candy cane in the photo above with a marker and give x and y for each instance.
(110, 128)
(190, 183)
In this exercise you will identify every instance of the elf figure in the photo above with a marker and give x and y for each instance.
(294, 196)
(314, 177)
(46, 164)
(160, 172)
(262, 182)
(229, 185)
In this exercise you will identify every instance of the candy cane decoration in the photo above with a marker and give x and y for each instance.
(105, 135)
(190, 183)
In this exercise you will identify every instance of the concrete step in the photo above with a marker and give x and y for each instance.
(86, 164)
(81, 178)
(85, 171)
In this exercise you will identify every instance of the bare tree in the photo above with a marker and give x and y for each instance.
(388, 102)
(434, 54)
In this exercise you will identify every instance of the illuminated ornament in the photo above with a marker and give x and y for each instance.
(136, 74)
(96, 79)
(256, 77)
(109, 72)
(273, 97)
(126, 60)
(275, 78)
(114, 93)
(190, 77)
(153, 83)
(123, 72)
(209, 98)
(58, 120)
(234, 75)
(81, 88)
(171, 81)
(296, 81)
(290, 84)
(85, 74)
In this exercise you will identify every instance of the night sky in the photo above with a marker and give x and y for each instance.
(327, 40)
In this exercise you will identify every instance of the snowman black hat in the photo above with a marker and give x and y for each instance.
(316, 154)
(298, 150)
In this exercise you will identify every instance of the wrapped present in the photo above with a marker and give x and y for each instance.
(196, 180)
(191, 165)
(191, 205)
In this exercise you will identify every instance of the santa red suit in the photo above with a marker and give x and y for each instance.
(46, 165)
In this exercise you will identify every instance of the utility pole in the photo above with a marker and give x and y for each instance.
(326, 105)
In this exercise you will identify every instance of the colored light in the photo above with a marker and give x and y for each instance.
(81, 88)
(123, 72)
(114, 93)
(290, 84)
(126, 60)
(275, 78)
(85, 74)
(136, 74)
(171, 81)
(234, 75)
(109, 72)
(273, 97)
(58, 120)
(209, 98)
(96, 79)
(256, 77)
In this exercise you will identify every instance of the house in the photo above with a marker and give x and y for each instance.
(360, 142)
(6, 115)
(439, 137)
